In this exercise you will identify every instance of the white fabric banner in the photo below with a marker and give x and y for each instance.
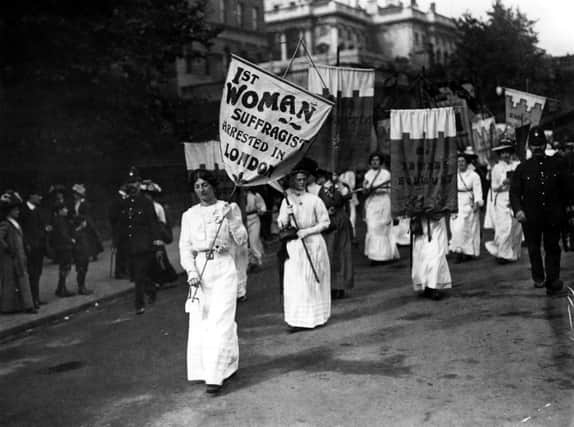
(523, 108)
(203, 155)
(266, 124)
(483, 135)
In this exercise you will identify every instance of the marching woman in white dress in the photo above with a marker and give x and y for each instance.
(212, 347)
(506, 246)
(465, 225)
(306, 301)
(380, 242)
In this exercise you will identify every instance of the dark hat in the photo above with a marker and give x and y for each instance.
(10, 199)
(505, 144)
(133, 175)
(536, 137)
(307, 166)
(150, 186)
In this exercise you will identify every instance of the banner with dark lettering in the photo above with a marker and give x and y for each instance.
(523, 108)
(355, 139)
(423, 161)
(266, 124)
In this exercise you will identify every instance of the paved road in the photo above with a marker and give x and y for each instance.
(493, 353)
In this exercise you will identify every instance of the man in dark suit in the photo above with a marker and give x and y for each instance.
(539, 192)
(139, 231)
(34, 228)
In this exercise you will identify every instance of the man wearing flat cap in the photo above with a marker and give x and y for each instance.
(539, 192)
(139, 230)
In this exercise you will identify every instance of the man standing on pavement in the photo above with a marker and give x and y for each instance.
(538, 195)
(34, 228)
(139, 229)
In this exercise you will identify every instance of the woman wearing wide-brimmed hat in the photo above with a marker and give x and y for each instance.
(15, 291)
(465, 225)
(506, 246)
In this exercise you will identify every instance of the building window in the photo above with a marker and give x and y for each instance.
(255, 18)
(239, 14)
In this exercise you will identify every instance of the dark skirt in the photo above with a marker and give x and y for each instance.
(339, 247)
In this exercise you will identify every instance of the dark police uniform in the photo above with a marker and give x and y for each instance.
(139, 232)
(539, 187)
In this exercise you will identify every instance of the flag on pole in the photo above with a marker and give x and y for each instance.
(266, 124)
(353, 89)
(423, 161)
(523, 108)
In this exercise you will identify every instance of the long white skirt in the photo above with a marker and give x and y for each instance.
(507, 233)
(430, 267)
(402, 231)
(380, 242)
(212, 344)
(306, 303)
(465, 228)
(255, 244)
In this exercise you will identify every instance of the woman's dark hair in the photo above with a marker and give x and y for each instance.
(377, 154)
(206, 175)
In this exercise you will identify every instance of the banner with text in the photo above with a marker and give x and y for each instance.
(354, 90)
(483, 137)
(266, 124)
(523, 108)
(423, 162)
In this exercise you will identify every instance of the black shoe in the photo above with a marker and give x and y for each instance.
(140, 310)
(556, 289)
(503, 261)
(85, 291)
(539, 284)
(433, 294)
(64, 293)
(213, 388)
(242, 299)
(32, 311)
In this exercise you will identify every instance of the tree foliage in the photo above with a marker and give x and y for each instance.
(499, 51)
(85, 80)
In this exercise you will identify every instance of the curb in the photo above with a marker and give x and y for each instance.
(10, 333)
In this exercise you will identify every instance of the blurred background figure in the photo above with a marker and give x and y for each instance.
(380, 245)
(506, 246)
(338, 236)
(163, 272)
(82, 210)
(349, 179)
(119, 254)
(254, 208)
(15, 292)
(62, 243)
(465, 225)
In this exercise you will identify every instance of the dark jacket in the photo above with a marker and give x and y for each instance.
(540, 188)
(62, 234)
(33, 226)
(88, 234)
(137, 224)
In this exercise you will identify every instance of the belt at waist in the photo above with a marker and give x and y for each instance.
(214, 252)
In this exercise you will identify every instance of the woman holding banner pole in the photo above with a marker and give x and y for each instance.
(209, 232)
(307, 274)
(380, 243)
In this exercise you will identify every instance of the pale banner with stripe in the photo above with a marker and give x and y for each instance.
(423, 162)
(523, 108)
(353, 89)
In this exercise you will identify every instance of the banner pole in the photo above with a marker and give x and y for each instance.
(292, 216)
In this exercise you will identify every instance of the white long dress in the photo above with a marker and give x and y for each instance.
(306, 303)
(430, 267)
(254, 206)
(348, 178)
(380, 244)
(507, 230)
(212, 346)
(465, 226)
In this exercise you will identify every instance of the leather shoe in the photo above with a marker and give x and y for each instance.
(539, 284)
(556, 289)
(64, 293)
(213, 388)
(85, 291)
(140, 310)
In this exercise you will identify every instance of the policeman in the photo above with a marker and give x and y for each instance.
(139, 232)
(538, 195)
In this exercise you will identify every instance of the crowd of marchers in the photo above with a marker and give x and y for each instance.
(526, 201)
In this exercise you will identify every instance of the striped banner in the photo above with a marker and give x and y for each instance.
(354, 90)
(423, 162)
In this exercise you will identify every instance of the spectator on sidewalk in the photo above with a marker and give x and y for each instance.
(62, 242)
(121, 270)
(35, 227)
(83, 210)
(15, 292)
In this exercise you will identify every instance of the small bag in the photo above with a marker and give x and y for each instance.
(287, 234)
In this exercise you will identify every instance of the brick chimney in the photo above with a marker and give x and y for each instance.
(433, 7)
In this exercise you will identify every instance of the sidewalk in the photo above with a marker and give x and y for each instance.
(98, 280)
